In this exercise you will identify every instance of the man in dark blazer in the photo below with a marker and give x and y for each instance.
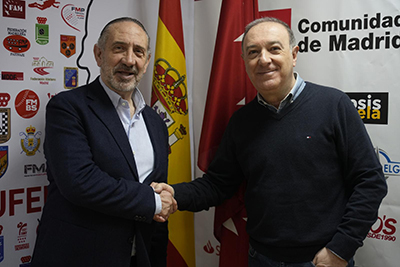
(101, 209)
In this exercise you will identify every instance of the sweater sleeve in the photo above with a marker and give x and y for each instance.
(220, 182)
(364, 180)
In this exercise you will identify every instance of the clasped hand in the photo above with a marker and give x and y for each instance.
(169, 204)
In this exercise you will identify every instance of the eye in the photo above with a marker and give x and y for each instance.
(275, 49)
(252, 53)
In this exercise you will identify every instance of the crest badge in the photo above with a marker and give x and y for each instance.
(67, 45)
(5, 126)
(42, 31)
(70, 77)
(3, 160)
(31, 141)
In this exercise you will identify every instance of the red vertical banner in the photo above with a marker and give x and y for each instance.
(169, 100)
(229, 89)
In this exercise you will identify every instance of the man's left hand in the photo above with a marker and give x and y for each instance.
(325, 258)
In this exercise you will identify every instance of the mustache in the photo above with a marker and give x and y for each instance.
(125, 68)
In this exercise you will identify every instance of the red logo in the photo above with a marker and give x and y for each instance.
(4, 98)
(12, 76)
(16, 43)
(27, 104)
(45, 5)
(383, 229)
(14, 9)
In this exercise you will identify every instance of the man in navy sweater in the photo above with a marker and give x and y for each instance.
(314, 182)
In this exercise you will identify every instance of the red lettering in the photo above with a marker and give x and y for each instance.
(14, 201)
(391, 227)
(2, 203)
(30, 200)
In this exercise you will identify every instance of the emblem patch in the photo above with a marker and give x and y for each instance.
(5, 127)
(3, 160)
(67, 45)
(30, 144)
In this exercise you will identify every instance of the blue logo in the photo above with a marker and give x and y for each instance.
(390, 167)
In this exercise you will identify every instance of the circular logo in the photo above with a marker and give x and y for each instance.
(27, 104)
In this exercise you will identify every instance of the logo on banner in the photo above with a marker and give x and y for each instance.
(4, 98)
(67, 45)
(70, 77)
(5, 129)
(32, 170)
(73, 16)
(383, 229)
(27, 104)
(390, 167)
(30, 142)
(344, 34)
(12, 76)
(21, 237)
(3, 160)
(41, 31)
(372, 107)
(14, 9)
(45, 4)
(25, 261)
(41, 64)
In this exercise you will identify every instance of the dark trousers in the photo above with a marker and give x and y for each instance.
(258, 260)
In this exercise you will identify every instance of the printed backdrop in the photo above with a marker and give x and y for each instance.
(47, 48)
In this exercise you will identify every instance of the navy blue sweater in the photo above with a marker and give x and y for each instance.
(313, 178)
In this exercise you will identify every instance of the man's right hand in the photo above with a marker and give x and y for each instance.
(169, 204)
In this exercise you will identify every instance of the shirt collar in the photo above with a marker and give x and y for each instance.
(115, 98)
(289, 98)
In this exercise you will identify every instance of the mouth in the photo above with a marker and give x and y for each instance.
(266, 72)
(126, 74)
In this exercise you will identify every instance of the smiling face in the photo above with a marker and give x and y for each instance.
(124, 58)
(269, 60)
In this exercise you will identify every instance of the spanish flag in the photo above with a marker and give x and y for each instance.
(169, 100)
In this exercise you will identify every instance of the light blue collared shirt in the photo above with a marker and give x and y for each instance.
(290, 98)
(136, 130)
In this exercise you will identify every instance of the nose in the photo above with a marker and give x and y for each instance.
(129, 58)
(264, 58)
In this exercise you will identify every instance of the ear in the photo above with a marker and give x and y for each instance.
(295, 51)
(98, 55)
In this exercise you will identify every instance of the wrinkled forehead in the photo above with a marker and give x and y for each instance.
(127, 32)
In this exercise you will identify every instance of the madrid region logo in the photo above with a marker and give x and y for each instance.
(389, 166)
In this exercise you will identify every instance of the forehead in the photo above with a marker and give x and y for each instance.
(267, 32)
(127, 32)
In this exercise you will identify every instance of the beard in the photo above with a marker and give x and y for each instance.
(118, 83)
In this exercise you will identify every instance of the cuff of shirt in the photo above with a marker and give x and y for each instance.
(158, 203)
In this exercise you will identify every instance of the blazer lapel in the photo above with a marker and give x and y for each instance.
(105, 111)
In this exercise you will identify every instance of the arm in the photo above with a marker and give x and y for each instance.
(364, 181)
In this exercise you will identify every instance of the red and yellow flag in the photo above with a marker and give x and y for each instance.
(169, 99)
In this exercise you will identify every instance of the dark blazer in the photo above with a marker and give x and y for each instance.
(95, 204)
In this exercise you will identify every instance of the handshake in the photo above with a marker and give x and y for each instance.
(169, 204)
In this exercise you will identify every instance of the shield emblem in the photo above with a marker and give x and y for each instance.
(5, 127)
(67, 45)
(3, 160)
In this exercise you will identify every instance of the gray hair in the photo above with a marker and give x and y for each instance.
(292, 39)
(101, 42)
